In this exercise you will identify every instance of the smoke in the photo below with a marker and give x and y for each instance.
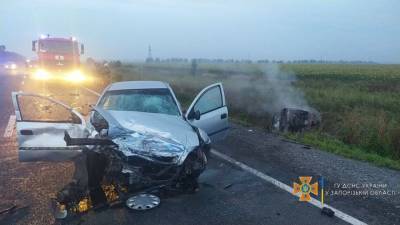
(281, 86)
(267, 93)
(255, 91)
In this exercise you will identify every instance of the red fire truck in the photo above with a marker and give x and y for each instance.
(58, 59)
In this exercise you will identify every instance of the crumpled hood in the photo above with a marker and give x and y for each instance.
(155, 124)
(156, 137)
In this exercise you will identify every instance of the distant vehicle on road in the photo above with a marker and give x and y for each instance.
(10, 66)
(11, 62)
(58, 59)
(13, 68)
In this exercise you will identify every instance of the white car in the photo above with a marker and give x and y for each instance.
(139, 123)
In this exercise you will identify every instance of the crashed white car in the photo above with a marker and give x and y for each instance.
(139, 123)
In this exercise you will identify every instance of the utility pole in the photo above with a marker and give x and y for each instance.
(149, 58)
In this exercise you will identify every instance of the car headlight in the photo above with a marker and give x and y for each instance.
(41, 75)
(13, 66)
(75, 76)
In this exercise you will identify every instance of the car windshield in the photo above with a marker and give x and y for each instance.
(141, 100)
(58, 46)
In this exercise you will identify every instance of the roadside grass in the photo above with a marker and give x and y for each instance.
(359, 104)
(333, 145)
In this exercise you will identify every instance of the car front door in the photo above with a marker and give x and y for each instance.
(41, 123)
(209, 112)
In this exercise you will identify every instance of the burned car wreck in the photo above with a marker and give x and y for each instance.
(295, 120)
(137, 142)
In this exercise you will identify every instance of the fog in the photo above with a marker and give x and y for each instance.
(281, 30)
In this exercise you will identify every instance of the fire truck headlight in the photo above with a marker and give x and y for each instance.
(41, 75)
(76, 76)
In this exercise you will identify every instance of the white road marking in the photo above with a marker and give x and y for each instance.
(285, 187)
(10, 127)
(275, 182)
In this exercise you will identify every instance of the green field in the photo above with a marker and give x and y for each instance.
(359, 104)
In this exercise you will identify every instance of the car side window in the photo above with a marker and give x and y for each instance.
(209, 100)
(33, 108)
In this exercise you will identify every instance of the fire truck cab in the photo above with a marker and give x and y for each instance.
(58, 58)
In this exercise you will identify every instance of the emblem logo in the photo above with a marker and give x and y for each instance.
(305, 188)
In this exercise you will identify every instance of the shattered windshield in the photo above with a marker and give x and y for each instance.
(141, 100)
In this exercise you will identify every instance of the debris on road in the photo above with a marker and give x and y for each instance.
(327, 211)
(59, 211)
(8, 210)
(228, 186)
(143, 202)
(295, 120)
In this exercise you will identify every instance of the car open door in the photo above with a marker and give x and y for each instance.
(41, 123)
(208, 111)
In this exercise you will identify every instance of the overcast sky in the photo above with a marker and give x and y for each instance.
(255, 29)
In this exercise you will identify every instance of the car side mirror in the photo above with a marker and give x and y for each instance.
(197, 114)
(194, 115)
(82, 49)
(98, 122)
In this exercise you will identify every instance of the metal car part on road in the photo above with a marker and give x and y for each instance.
(143, 202)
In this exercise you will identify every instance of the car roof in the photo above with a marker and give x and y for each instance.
(137, 85)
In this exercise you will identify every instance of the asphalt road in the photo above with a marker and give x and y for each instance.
(228, 194)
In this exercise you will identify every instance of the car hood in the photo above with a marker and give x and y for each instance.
(162, 125)
(156, 137)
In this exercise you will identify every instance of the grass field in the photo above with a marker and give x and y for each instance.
(359, 104)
